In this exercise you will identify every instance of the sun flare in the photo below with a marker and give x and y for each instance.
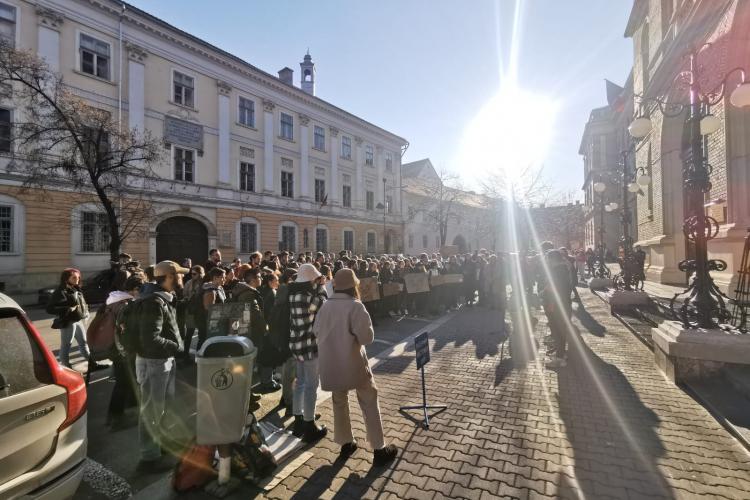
(512, 131)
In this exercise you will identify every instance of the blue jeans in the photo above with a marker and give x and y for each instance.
(156, 378)
(77, 330)
(306, 389)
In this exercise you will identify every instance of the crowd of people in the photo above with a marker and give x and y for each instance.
(307, 321)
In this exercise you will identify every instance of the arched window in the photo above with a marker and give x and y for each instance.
(247, 235)
(308, 75)
(288, 236)
(321, 238)
(12, 234)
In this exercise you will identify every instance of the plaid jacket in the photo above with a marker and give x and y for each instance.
(304, 303)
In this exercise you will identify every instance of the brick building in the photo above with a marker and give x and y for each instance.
(662, 32)
(249, 157)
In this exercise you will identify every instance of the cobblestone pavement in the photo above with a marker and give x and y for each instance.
(609, 425)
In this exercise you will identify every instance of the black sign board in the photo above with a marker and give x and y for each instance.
(223, 318)
(422, 348)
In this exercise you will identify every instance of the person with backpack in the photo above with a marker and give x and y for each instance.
(306, 295)
(150, 328)
(343, 328)
(124, 394)
(211, 293)
(71, 310)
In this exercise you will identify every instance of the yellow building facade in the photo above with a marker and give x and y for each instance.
(248, 159)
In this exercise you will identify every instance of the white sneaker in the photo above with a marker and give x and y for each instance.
(556, 363)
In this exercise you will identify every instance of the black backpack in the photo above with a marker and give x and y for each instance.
(280, 323)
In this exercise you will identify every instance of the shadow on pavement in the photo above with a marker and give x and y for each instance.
(521, 344)
(588, 321)
(610, 429)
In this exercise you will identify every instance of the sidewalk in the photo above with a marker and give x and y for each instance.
(607, 426)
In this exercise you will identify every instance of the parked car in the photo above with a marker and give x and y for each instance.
(95, 288)
(43, 405)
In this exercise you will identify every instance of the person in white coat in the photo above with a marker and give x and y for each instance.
(343, 328)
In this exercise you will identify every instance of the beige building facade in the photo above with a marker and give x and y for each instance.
(251, 161)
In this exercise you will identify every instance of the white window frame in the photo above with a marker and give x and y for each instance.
(315, 189)
(238, 235)
(296, 233)
(343, 238)
(79, 68)
(315, 146)
(389, 161)
(349, 145)
(12, 112)
(281, 183)
(367, 242)
(192, 75)
(368, 196)
(239, 176)
(343, 198)
(281, 126)
(174, 165)
(16, 34)
(369, 155)
(328, 238)
(18, 226)
(239, 111)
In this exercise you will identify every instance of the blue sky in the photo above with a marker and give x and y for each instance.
(424, 69)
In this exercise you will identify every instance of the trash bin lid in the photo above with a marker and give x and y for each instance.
(226, 347)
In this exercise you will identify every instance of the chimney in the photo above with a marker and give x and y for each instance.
(286, 75)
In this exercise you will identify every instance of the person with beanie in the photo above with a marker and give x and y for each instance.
(343, 328)
(306, 295)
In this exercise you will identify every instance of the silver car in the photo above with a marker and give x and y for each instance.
(42, 414)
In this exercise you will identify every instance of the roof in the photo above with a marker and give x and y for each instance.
(414, 168)
(115, 7)
(421, 172)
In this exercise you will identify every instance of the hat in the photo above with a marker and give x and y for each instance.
(345, 279)
(166, 267)
(307, 272)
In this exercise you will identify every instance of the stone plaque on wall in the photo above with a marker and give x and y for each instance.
(183, 133)
(718, 212)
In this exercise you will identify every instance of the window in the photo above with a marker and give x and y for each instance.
(370, 198)
(321, 239)
(288, 238)
(346, 147)
(389, 161)
(411, 240)
(389, 204)
(24, 366)
(369, 157)
(349, 241)
(287, 184)
(95, 58)
(247, 112)
(8, 24)
(320, 190)
(347, 196)
(287, 127)
(5, 130)
(6, 229)
(305, 238)
(371, 242)
(184, 89)
(184, 164)
(247, 176)
(94, 232)
(319, 138)
(248, 237)
(424, 241)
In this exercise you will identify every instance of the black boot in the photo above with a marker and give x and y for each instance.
(384, 455)
(314, 433)
(298, 428)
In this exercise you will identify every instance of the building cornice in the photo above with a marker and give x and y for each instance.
(163, 30)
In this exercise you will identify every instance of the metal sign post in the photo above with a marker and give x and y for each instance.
(422, 348)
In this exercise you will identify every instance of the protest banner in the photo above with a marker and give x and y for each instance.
(390, 289)
(368, 289)
(417, 283)
(437, 280)
(448, 250)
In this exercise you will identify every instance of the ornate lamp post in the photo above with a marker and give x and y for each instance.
(600, 267)
(629, 277)
(702, 304)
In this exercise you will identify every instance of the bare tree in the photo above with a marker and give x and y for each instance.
(529, 187)
(61, 140)
(441, 199)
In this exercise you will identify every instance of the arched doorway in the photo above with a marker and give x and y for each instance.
(460, 242)
(178, 238)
